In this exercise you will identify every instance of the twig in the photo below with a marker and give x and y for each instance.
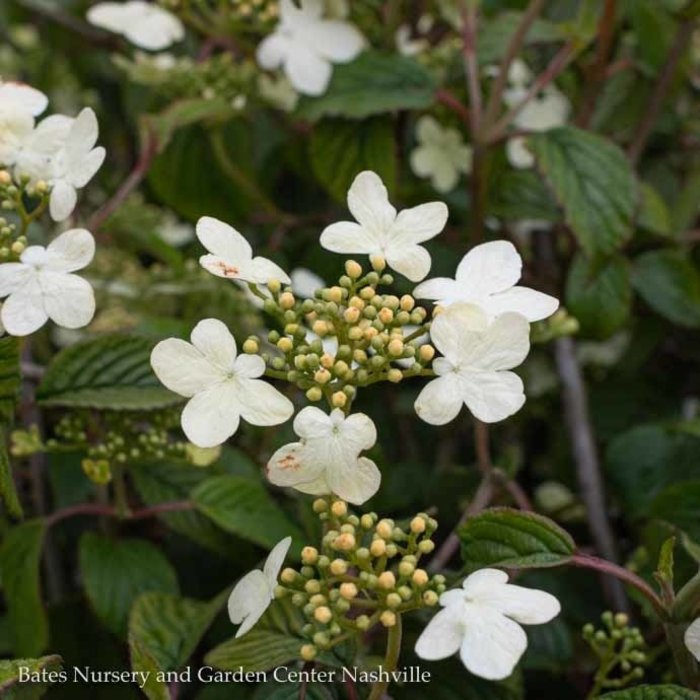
(445, 97)
(586, 458)
(113, 512)
(516, 43)
(32, 371)
(149, 149)
(658, 96)
(555, 67)
(471, 64)
(482, 447)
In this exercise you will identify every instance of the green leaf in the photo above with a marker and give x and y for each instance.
(170, 627)
(372, 84)
(654, 215)
(669, 282)
(521, 194)
(678, 504)
(514, 539)
(599, 294)
(20, 560)
(10, 378)
(109, 373)
(14, 687)
(8, 492)
(116, 572)
(594, 183)
(292, 690)
(496, 34)
(245, 508)
(652, 692)
(142, 660)
(340, 149)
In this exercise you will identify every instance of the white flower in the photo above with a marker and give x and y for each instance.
(278, 92)
(253, 594)
(306, 45)
(19, 104)
(35, 155)
(222, 387)
(480, 621)
(487, 276)
(692, 638)
(174, 232)
(441, 154)
(305, 283)
(231, 255)
(406, 45)
(147, 26)
(327, 458)
(41, 286)
(472, 371)
(383, 232)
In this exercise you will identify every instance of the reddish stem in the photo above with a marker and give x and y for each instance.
(449, 100)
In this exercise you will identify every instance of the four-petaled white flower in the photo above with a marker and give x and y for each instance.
(253, 594)
(231, 255)
(487, 276)
(306, 45)
(441, 154)
(382, 232)
(692, 638)
(147, 26)
(19, 104)
(473, 369)
(222, 386)
(41, 286)
(480, 621)
(327, 458)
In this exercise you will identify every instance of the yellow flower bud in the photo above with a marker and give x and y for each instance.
(394, 375)
(363, 623)
(426, 546)
(394, 600)
(378, 548)
(339, 508)
(327, 360)
(353, 269)
(385, 315)
(406, 568)
(251, 346)
(344, 542)
(395, 347)
(287, 301)
(407, 302)
(335, 294)
(357, 303)
(388, 618)
(274, 286)
(338, 567)
(5, 178)
(288, 575)
(418, 525)
(386, 580)
(378, 263)
(426, 353)
(322, 376)
(385, 528)
(366, 521)
(339, 399)
(430, 598)
(320, 505)
(308, 652)
(320, 328)
(420, 577)
(309, 555)
(285, 344)
(41, 187)
(348, 590)
(314, 394)
(312, 586)
(351, 315)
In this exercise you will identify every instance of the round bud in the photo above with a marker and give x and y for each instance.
(420, 577)
(353, 269)
(321, 639)
(418, 525)
(394, 600)
(386, 580)
(363, 623)
(385, 315)
(621, 620)
(426, 546)
(407, 302)
(430, 598)
(339, 508)
(338, 567)
(394, 375)
(320, 505)
(348, 590)
(362, 553)
(385, 528)
(309, 555)
(388, 618)
(405, 592)
(251, 346)
(323, 614)
(340, 368)
(322, 376)
(317, 599)
(274, 286)
(395, 347)
(287, 301)
(312, 586)
(378, 263)
(339, 399)
(314, 394)
(406, 568)
(344, 542)
(378, 548)
(285, 344)
(288, 575)
(308, 652)
(5, 178)
(366, 521)
(426, 353)
(351, 315)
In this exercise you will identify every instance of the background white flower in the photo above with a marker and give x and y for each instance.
(327, 458)
(146, 25)
(381, 231)
(487, 276)
(441, 154)
(41, 286)
(480, 621)
(306, 45)
(253, 594)
(19, 104)
(231, 255)
(305, 283)
(472, 371)
(222, 387)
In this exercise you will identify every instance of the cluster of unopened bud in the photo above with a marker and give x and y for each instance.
(365, 572)
(124, 438)
(12, 198)
(620, 649)
(348, 336)
(560, 324)
(239, 11)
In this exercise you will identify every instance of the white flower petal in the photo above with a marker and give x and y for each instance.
(692, 638)
(224, 241)
(437, 288)
(212, 416)
(457, 329)
(368, 200)
(492, 396)
(68, 299)
(519, 156)
(524, 605)
(305, 283)
(275, 559)
(249, 366)
(63, 200)
(312, 423)
(440, 401)
(503, 345)
(354, 480)
(214, 340)
(483, 580)
(348, 237)
(489, 268)
(82, 135)
(412, 261)
(262, 271)
(182, 368)
(23, 97)
(72, 250)
(532, 304)
(442, 637)
(293, 465)
(420, 223)
(493, 644)
(358, 431)
(307, 71)
(262, 404)
(337, 41)
(83, 171)
(249, 600)
(13, 276)
(272, 51)
(156, 29)
(23, 311)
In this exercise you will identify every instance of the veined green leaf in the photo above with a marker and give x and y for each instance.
(653, 692)
(11, 688)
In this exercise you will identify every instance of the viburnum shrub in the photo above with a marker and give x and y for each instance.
(433, 436)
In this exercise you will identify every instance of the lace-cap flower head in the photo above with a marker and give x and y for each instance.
(441, 154)
(253, 594)
(143, 24)
(221, 385)
(41, 285)
(381, 231)
(480, 621)
(327, 458)
(487, 276)
(473, 368)
(231, 255)
(306, 45)
(19, 104)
